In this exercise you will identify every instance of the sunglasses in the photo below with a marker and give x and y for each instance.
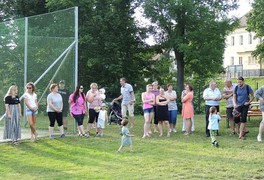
(81, 87)
(29, 87)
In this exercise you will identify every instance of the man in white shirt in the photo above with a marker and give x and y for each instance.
(212, 97)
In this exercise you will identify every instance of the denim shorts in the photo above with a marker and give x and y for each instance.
(31, 113)
(148, 110)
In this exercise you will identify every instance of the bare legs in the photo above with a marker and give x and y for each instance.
(130, 148)
(261, 129)
(80, 129)
(161, 128)
(32, 123)
(147, 117)
(188, 126)
(242, 130)
(65, 123)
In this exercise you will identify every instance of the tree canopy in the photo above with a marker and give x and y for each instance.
(194, 30)
(112, 45)
(255, 23)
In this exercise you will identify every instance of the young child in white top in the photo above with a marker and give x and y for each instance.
(102, 118)
(213, 125)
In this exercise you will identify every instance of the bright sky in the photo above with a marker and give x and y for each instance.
(244, 8)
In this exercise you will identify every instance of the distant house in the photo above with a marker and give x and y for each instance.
(238, 59)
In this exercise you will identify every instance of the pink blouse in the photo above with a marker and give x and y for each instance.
(77, 107)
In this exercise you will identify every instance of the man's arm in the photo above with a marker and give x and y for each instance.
(132, 96)
(234, 101)
(118, 98)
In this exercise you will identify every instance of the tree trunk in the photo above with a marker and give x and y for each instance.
(180, 70)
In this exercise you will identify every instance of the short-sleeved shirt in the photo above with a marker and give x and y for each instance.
(213, 122)
(212, 94)
(229, 101)
(12, 100)
(172, 104)
(260, 94)
(56, 100)
(155, 92)
(31, 99)
(242, 94)
(77, 107)
(126, 94)
(65, 97)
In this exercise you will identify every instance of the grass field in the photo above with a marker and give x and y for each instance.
(177, 157)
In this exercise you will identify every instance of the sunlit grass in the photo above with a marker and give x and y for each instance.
(177, 157)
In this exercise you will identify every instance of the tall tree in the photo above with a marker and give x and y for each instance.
(110, 43)
(194, 30)
(255, 23)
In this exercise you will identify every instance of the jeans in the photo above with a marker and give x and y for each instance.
(173, 116)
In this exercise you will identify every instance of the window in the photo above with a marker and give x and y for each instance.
(259, 40)
(252, 60)
(232, 40)
(240, 60)
(249, 38)
(232, 61)
(241, 40)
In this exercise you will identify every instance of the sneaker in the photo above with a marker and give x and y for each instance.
(63, 136)
(174, 130)
(170, 130)
(16, 143)
(216, 144)
(259, 138)
(51, 137)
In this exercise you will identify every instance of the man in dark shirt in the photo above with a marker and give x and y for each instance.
(65, 98)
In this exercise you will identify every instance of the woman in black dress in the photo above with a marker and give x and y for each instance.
(162, 111)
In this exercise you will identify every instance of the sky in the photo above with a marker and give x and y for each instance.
(244, 8)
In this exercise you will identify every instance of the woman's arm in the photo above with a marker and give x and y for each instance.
(8, 110)
(186, 97)
(174, 96)
(157, 100)
(52, 106)
(19, 110)
(91, 96)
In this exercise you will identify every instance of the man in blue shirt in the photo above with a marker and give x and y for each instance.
(241, 101)
(128, 100)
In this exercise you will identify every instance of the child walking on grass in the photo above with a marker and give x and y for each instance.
(213, 125)
(126, 136)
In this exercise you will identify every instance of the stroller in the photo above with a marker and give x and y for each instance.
(115, 113)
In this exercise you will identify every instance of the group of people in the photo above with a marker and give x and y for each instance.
(162, 105)
(58, 101)
(238, 99)
(159, 106)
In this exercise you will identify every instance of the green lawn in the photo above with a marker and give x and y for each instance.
(177, 157)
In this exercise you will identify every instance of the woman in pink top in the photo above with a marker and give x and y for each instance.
(94, 99)
(187, 108)
(78, 108)
(148, 99)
